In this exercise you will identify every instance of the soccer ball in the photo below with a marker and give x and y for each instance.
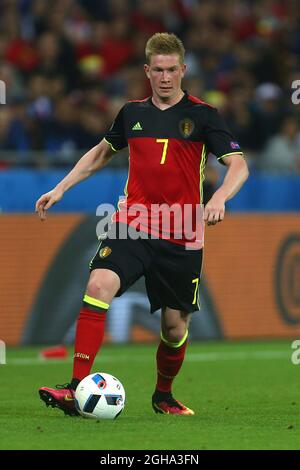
(100, 396)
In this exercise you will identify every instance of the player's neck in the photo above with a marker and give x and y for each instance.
(166, 103)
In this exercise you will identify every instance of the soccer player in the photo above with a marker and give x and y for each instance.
(169, 136)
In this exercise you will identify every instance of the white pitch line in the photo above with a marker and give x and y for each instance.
(193, 357)
(238, 355)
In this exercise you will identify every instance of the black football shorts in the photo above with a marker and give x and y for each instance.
(172, 273)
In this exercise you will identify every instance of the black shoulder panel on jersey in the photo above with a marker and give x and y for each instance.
(190, 119)
(181, 121)
(217, 136)
(116, 136)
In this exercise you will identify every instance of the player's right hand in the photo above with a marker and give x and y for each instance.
(46, 201)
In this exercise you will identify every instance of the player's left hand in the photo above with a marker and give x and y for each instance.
(214, 211)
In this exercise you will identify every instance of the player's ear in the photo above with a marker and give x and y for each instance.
(147, 70)
(183, 69)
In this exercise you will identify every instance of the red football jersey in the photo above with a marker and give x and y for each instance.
(167, 154)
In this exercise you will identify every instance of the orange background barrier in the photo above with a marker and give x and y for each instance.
(240, 269)
(26, 248)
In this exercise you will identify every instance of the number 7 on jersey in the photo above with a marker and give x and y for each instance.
(165, 148)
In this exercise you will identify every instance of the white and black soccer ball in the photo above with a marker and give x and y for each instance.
(100, 396)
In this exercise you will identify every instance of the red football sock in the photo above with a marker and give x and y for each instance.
(169, 360)
(89, 336)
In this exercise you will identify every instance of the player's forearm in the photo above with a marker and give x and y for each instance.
(235, 177)
(92, 161)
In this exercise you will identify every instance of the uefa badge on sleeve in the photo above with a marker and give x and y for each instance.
(235, 146)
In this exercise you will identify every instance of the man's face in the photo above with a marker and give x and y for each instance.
(165, 73)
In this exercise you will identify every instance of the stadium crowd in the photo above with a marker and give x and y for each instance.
(69, 65)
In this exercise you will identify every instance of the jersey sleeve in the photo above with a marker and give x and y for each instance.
(218, 138)
(115, 136)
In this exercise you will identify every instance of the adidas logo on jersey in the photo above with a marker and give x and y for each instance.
(137, 127)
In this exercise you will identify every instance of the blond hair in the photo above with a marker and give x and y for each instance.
(165, 44)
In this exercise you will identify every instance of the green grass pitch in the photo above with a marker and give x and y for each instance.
(245, 395)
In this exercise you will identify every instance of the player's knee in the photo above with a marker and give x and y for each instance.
(174, 334)
(99, 290)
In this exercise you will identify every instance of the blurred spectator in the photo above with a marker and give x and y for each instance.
(60, 133)
(17, 132)
(282, 153)
(268, 111)
(40, 105)
(147, 17)
(56, 57)
(93, 126)
(241, 119)
(117, 48)
(13, 82)
(20, 52)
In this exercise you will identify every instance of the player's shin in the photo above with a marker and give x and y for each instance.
(89, 336)
(169, 359)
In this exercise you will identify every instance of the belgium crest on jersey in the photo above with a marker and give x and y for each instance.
(186, 127)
